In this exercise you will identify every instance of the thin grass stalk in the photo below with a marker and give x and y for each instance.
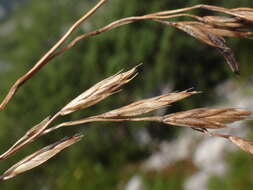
(92, 96)
(45, 59)
(242, 13)
(208, 29)
(27, 139)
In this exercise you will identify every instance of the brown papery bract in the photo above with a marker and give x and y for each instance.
(244, 144)
(223, 22)
(39, 157)
(99, 91)
(243, 13)
(240, 13)
(206, 118)
(147, 105)
(230, 33)
(204, 33)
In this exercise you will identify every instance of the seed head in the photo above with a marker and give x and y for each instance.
(147, 105)
(99, 91)
(39, 157)
(206, 118)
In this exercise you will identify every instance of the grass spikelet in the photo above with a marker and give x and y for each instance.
(147, 105)
(243, 144)
(39, 157)
(206, 118)
(99, 91)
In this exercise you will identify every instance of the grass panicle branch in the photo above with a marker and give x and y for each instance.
(45, 59)
(209, 29)
(88, 98)
(28, 137)
(243, 144)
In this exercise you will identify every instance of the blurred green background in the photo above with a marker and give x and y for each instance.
(110, 154)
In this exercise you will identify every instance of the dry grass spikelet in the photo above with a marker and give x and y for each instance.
(39, 157)
(147, 105)
(99, 91)
(206, 118)
(244, 144)
(210, 36)
(210, 30)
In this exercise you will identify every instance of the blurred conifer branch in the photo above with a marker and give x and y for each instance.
(210, 30)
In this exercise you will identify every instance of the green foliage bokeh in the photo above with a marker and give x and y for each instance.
(109, 152)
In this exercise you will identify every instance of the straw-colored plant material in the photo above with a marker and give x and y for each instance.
(39, 157)
(244, 144)
(225, 27)
(45, 58)
(199, 119)
(147, 105)
(99, 91)
(224, 22)
(237, 23)
(88, 98)
(210, 36)
(245, 14)
(206, 118)
(128, 112)
(209, 29)
(28, 137)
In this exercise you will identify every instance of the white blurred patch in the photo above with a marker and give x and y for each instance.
(135, 183)
(170, 152)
